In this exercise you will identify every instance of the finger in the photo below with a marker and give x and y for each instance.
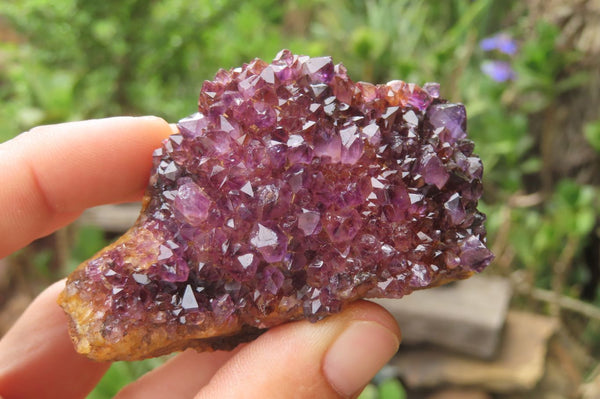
(181, 377)
(52, 173)
(37, 359)
(333, 358)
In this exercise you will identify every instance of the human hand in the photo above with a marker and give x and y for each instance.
(49, 176)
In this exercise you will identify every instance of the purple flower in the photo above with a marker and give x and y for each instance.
(501, 42)
(500, 71)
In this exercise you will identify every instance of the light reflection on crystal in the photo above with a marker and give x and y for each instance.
(189, 300)
(141, 278)
(246, 260)
(308, 222)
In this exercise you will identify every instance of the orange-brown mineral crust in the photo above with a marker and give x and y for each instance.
(291, 193)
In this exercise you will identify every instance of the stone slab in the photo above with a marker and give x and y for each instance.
(466, 316)
(519, 365)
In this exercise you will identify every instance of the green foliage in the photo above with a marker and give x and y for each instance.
(538, 236)
(540, 66)
(41, 261)
(88, 241)
(120, 374)
(129, 57)
(369, 392)
(390, 388)
(591, 131)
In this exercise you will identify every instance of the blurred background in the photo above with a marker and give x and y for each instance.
(528, 72)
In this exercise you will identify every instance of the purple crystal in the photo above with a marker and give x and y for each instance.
(272, 280)
(191, 203)
(475, 253)
(449, 121)
(342, 225)
(292, 192)
(455, 209)
(433, 170)
(433, 89)
(308, 222)
(270, 241)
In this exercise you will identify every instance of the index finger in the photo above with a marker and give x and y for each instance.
(50, 174)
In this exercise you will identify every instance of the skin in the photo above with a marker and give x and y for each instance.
(49, 176)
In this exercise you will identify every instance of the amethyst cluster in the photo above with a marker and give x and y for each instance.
(292, 192)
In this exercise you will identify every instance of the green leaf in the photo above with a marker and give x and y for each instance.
(370, 392)
(585, 221)
(531, 165)
(391, 389)
(591, 131)
(368, 43)
(41, 262)
(120, 374)
(89, 241)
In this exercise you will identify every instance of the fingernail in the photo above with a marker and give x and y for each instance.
(357, 355)
(148, 117)
(151, 118)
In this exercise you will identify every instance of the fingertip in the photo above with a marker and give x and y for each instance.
(369, 339)
(357, 354)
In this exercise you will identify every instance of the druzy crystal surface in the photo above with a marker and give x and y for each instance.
(292, 192)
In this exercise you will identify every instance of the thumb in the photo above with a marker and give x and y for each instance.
(333, 358)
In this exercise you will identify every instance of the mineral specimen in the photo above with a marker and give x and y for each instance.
(292, 192)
